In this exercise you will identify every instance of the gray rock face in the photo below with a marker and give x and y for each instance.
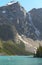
(36, 15)
(28, 24)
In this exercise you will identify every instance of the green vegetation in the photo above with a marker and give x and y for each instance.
(39, 52)
(11, 48)
(7, 41)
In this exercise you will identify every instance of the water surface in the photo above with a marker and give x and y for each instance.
(20, 60)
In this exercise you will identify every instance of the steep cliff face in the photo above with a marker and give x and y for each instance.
(34, 20)
(36, 15)
(13, 15)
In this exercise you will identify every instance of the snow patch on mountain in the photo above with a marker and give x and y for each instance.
(17, 21)
(10, 3)
(3, 11)
(37, 33)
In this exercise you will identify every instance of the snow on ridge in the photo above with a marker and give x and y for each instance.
(10, 3)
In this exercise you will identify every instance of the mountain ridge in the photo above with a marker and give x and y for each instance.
(15, 20)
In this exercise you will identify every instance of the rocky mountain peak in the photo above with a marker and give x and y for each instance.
(27, 24)
(18, 25)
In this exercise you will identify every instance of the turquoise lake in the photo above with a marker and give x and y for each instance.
(20, 60)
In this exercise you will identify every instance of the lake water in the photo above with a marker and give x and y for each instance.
(20, 60)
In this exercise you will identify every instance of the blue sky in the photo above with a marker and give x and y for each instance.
(27, 4)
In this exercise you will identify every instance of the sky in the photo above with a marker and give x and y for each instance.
(27, 4)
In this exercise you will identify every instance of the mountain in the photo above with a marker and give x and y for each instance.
(36, 15)
(18, 25)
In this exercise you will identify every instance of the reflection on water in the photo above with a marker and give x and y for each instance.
(20, 60)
